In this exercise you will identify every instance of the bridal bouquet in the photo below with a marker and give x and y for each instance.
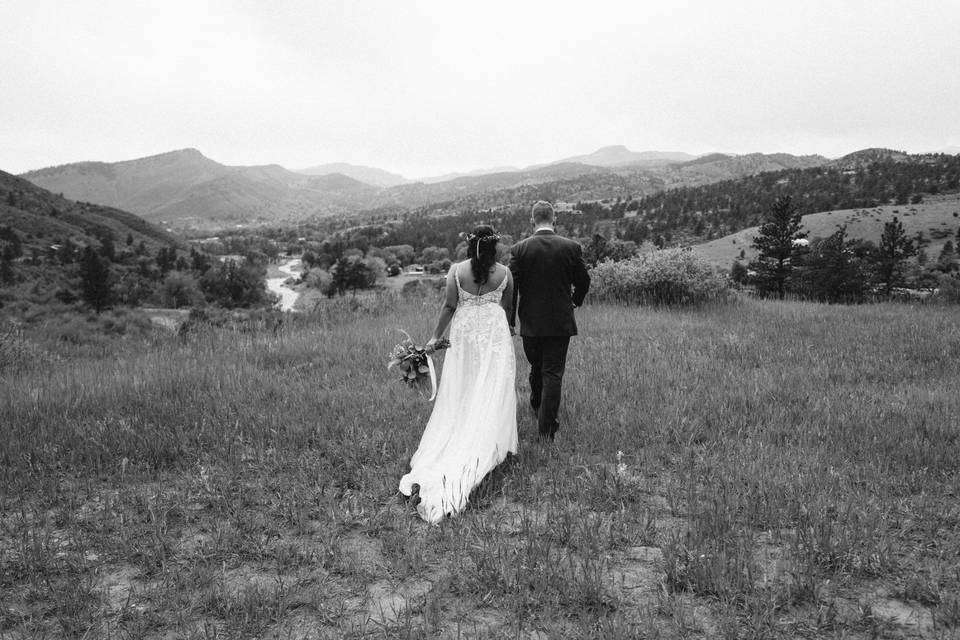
(415, 364)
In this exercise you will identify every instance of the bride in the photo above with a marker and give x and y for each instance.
(474, 421)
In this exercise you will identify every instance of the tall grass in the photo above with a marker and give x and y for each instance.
(778, 460)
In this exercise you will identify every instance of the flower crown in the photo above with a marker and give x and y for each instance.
(491, 238)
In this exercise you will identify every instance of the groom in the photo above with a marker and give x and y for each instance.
(550, 279)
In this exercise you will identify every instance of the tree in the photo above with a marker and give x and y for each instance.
(95, 281)
(593, 253)
(434, 254)
(11, 239)
(166, 259)
(947, 261)
(107, 248)
(234, 285)
(738, 272)
(353, 273)
(7, 275)
(199, 262)
(180, 290)
(778, 243)
(895, 248)
(833, 270)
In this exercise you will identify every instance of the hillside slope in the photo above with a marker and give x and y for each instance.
(42, 217)
(185, 188)
(937, 218)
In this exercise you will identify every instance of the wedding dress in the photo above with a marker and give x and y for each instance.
(474, 421)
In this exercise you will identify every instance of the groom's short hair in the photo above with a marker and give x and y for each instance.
(542, 211)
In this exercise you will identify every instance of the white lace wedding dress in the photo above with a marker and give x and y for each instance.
(474, 421)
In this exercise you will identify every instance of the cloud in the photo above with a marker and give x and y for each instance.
(430, 87)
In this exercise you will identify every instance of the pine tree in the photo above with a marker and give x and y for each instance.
(7, 274)
(947, 261)
(95, 285)
(833, 272)
(777, 247)
(895, 248)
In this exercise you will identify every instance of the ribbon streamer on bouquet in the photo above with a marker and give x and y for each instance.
(433, 378)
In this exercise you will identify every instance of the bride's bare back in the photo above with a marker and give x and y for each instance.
(497, 274)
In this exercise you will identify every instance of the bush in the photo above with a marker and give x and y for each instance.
(180, 290)
(666, 277)
(948, 290)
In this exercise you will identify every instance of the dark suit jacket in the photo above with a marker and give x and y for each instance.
(549, 278)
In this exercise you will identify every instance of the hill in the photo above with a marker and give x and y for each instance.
(369, 175)
(717, 167)
(185, 188)
(619, 155)
(42, 218)
(937, 218)
(860, 181)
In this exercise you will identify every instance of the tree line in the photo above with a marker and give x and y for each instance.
(837, 268)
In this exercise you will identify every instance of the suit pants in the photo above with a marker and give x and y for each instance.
(547, 356)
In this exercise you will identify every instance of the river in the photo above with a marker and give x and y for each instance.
(288, 297)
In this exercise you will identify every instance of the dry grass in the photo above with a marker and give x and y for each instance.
(787, 470)
(938, 217)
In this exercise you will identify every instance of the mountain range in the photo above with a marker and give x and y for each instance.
(186, 189)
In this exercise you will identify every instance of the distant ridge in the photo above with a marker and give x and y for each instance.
(184, 188)
(865, 156)
(369, 175)
(619, 155)
(446, 177)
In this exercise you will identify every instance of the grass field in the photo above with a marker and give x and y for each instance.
(758, 470)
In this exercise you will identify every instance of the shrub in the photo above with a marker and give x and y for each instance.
(180, 290)
(666, 277)
(948, 290)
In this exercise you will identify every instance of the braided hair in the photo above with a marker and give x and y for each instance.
(482, 251)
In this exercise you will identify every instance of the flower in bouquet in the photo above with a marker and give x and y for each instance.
(414, 363)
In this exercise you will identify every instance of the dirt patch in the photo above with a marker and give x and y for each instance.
(910, 617)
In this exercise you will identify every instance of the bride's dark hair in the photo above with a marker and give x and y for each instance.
(482, 251)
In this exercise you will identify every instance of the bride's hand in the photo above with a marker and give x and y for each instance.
(429, 347)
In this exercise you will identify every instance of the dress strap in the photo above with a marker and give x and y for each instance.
(503, 283)
(456, 275)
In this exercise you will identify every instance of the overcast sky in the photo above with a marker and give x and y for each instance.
(424, 88)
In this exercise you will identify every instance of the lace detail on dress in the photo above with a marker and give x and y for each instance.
(479, 318)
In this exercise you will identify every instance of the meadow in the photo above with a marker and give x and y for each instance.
(751, 470)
